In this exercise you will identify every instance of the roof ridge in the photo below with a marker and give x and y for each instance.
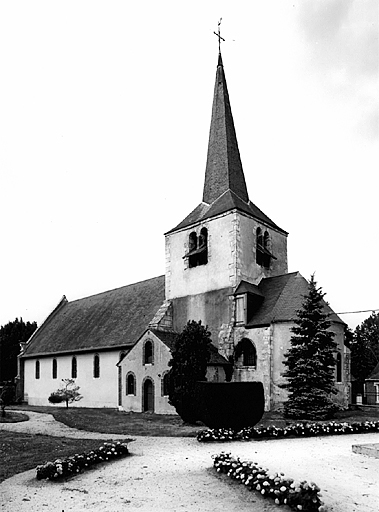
(114, 289)
(280, 275)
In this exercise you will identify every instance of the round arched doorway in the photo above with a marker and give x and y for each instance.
(148, 395)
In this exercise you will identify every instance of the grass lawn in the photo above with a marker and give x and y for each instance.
(21, 452)
(112, 421)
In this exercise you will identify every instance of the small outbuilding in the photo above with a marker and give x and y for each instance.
(372, 387)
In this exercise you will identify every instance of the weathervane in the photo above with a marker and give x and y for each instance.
(219, 36)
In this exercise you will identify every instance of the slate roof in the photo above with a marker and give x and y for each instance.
(112, 319)
(224, 185)
(226, 202)
(375, 373)
(283, 297)
(224, 167)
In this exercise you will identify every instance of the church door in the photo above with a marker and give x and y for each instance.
(148, 396)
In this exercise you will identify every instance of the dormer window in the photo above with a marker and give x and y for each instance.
(263, 248)
(248, 299)
(241, 309)
(197, 248)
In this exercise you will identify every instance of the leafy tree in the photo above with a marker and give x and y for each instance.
(11, 335)
(68, 393)
(190, 355)
(364, 347)
(310, 361)
(7, 396)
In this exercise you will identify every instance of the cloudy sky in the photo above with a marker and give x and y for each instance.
(104, 118)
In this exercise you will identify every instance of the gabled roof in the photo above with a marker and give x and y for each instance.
(228, 201)
(112, 319)
(245, 287)
(374, 374)
(224, 185)
(283, 297)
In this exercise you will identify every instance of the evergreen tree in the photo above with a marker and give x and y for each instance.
(364, 348)
(190, 355)
(11, 335)
(310, 361)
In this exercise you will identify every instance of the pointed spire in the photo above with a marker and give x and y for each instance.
(224, 168)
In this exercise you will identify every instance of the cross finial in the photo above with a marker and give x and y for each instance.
(219, 37)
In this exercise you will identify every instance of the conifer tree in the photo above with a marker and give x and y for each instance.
(310, 361)
(190, 355)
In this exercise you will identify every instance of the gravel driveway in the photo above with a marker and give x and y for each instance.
(174, 474)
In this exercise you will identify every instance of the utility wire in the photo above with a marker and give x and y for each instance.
(364, 311)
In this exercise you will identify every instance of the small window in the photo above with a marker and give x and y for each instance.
(148, 352)
(130, 384)
(376, 386)
(55, 369)
(96, 366)
(165, 384)
(74, 368)
(38, 370)
(339, 367)
(240, 310)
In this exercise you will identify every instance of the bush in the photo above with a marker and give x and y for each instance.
(7, 397)
(296, 430)
(232, 405)
(78, 462)
(284, 491)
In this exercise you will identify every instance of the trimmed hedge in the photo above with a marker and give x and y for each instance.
(231, 404)
(297, 430)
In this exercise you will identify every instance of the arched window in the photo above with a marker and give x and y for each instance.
(197, 248)
(74, 368)
(96, 366)
(165, 384)
(192, 250)
(130, 384)
(246, 354)
(339, 367)
(192, 243)
(203, 247)
(148, 352)
(263, 248)
(259, 247)
(55, 369)
(38, 369)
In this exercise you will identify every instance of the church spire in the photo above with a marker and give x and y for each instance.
(224, 168)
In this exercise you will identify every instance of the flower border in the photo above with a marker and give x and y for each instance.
(76, 463)
(284, 491)
(296, 430)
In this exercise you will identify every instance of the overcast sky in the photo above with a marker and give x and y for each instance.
(104, 120)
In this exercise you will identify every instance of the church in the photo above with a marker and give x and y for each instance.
(226, 265)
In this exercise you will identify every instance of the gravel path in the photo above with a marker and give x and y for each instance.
(173, 474)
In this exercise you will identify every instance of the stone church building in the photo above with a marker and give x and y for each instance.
(226, 265)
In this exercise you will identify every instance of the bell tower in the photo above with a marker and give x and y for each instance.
(226, 238)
